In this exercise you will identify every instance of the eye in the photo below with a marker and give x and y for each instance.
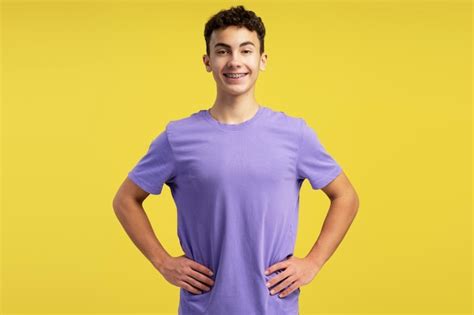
(223, 51)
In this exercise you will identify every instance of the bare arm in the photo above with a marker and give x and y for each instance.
(128, 206)
(301, 271)
(341, 213)
(180, 271)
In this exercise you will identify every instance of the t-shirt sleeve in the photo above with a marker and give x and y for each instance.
(156, 167)
(314, 162)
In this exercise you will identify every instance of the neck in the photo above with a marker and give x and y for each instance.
(234, 113)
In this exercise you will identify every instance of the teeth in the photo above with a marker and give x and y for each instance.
(234, 75)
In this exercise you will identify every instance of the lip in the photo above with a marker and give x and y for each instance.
(235, 80)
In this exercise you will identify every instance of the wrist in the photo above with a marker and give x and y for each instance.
(315, 261)
(159, 261)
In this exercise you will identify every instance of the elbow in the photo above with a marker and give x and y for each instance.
(355, 203)
(354, 200)
(115, 203)
(118, 203)
(350, 198)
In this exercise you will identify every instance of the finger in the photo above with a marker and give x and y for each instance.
(189, 287)
(197, 283)
(201, 268)
(278, 278)
(282, 285)
(294, 286)
(199, 276)
(277, 266)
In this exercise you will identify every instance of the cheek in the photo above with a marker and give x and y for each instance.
(216, 75)
(255, 68)
(254, 73)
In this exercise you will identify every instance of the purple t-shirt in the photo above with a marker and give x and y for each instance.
(236, 189)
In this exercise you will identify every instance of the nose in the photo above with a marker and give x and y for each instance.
(234, 61)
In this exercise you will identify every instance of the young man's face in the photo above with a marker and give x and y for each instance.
(242, 56)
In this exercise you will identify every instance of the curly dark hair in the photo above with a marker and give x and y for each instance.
(237, 16)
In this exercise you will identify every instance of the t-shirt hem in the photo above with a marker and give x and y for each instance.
(143, 185)
(321, 183)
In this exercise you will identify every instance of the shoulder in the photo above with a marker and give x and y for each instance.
(183, 123)
(186, 130)
(286, 120)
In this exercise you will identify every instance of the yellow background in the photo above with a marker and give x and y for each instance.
(87, 85)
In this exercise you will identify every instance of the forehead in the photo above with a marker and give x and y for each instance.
(234, 36)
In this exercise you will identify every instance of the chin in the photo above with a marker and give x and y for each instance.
(239, 91)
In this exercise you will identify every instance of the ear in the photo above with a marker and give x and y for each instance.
(206, 61)
(263, 61)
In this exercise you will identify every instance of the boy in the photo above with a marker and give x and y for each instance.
(235, 171)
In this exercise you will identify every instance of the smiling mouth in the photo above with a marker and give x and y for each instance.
(235, 77)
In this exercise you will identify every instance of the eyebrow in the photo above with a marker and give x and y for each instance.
(228, 46)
